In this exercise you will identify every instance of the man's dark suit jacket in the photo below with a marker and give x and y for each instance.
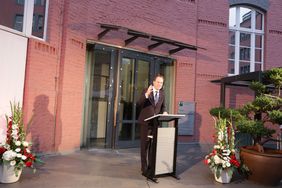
(148, 107)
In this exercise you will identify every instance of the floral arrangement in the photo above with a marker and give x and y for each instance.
(223, 155)
(15, 151)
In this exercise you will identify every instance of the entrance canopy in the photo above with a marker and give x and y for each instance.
(133, 35)
(243, 80)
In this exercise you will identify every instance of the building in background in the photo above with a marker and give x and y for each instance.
(79, 66)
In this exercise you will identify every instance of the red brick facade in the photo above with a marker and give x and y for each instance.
(54, 84)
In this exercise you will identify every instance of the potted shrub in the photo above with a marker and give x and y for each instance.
(15, 153)
(258, 119)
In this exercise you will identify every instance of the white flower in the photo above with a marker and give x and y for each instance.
(220, 136)
(225, 158)
(216, 146)
(209, 161)
(223, 165)
(15, 132)
(13, 163)
(19, 155)
(18, 149)
(9, 155)
(25, 144)
(217, 160)
(228, 164)
(226, 152)
(14, 126)
(27, 150)
(23, 157)
(18, 143)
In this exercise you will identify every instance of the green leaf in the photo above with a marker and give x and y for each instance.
(258, 87)
(275, 116)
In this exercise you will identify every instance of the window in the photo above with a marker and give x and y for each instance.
(26, 17)
(20, 2)
(246, 37)
(12, 14)
(18, 25)
(38, 25)
(39, 2)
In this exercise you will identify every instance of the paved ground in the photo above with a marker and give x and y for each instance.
(105, 168)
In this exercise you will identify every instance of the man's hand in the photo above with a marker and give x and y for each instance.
(165, 113)
(149, 91)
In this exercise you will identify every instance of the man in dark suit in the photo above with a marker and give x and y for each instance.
(151, 102)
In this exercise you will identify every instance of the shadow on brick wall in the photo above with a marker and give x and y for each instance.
(44, 130)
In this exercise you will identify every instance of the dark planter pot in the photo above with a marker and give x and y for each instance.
(265, 167)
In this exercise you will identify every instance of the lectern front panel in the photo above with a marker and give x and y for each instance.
(165, 150)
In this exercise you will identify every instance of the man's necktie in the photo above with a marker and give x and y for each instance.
(156, 97)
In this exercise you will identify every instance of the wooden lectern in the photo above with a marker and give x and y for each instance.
(163, 147)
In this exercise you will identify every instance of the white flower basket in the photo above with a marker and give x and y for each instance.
(225, 176)
(7, 174)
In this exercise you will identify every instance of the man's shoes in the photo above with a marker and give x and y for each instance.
(155, 180)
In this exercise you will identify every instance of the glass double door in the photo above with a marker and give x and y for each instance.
(136, 72)
(115, 79)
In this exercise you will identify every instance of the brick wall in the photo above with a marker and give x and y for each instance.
(273, 36)
(55, 68)
(41, 85)
(211, 63)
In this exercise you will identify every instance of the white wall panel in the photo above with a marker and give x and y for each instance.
(13, 50)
